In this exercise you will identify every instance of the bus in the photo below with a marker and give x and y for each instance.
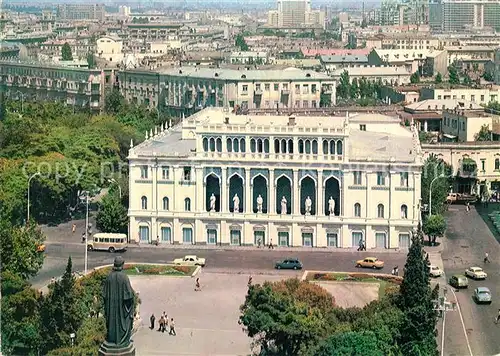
(108, 242)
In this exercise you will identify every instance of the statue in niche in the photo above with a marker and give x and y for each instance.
(236, 203)
(260, 202)
(283, 206)
(213, 199)
(308, 205)
(331, 206)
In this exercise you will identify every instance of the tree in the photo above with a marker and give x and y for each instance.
(418, 329)
(484, 134)
(18, 249)
(350, 343)
(354, 89)
(488, 76)
(114, 102)
(66, 53)
(434, 227)
(438, 79)
(91, 60)
(241, 43)
(112, 215)
(453, 77)
(436, 167)
(344, 87)
(415, 78)
(467, 80)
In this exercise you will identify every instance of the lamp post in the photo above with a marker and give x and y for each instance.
(112, 180)
(29, 183)
(430, 193)
(86, 226)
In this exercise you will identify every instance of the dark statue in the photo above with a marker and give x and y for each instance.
(118, 312)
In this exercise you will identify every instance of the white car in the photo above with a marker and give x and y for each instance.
(435, 271)
(475, 273)
(190, 260)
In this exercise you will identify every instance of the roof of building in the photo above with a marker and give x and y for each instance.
(395, 55)
(313, 52)
(438, 104)
(234, 74)
(371, 71)
(379, 146)
(342, 59)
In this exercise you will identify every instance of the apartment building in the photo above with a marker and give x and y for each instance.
(110, 48)
(459, 15)
(479, 96)
(332, 63)
(219, 178)
(295, 14)
(188, 89)
(386, 75)
(429, 62)
(460, 125)
(81, 12)
(407, 40)
(38, 81)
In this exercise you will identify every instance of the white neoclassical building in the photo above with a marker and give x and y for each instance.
(227, 179)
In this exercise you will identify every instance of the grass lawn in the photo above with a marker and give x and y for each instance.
(158, 270)
(484, 211)
(384, 282)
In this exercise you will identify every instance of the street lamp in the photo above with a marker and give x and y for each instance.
(72, 336)
(29, 183)
(86, 226)
(430, 192)
(112, 180)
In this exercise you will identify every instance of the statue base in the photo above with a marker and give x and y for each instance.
(107, 349)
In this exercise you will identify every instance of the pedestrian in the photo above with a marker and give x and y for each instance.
(52, 280)
(271, 246)
(161, 324)
(73, 228)
(498, 317)
(152, 320)
(396, 271)
(467, 207)
(172, 327)
(486, 257)
(250, 279)
(197, 287)
(393, 272)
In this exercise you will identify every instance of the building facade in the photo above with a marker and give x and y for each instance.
(479, 96)
(187, 89)
(463, 125)
(228, 179)
(81, 12)
(462, 15)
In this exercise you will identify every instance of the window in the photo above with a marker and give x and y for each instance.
(165, 173)
(357, 177)
(380, 178)
(297, 103)
(187, 235)
(144, 203)
(497, 164)
(166, 234)
(332, 240)
(276, 87)
(166, 203)
(307, 239)
(380, 211)
(313, 104)
(473, 98)
(257, 87)
(313, 88)
(245, 89)
(339, 147)
(305, 89)
(483, 163)
(266, 87)
(144, 233)
(187, 173)
(211, 236)
(259, 238)
(297, 88)
(235, 237)
(187, 204)
(283, 239)
(404, 212)
(144, 172)
(362, 127)
(404, 179)
(305, 104)
(482, 98)
(357, 210)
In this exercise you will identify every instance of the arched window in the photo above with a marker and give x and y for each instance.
(290, 146)
(236, 145)
(301, 146)
(332, 147)
(187, 204)
(380, 211)
(242, 145)
(276, 146)
(252, 145)
(165, 203)
(144, 203)
(497, 164)
(266, 145)
(212, 144)
(325, 147)
(357, 210)
(219, 144)
(404, 212)
(260, 146)
(315, 147)
(205, 144)
(229, 145)
(308, 146)
(339, 147)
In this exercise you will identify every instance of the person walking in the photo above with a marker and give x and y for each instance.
(498, 317)
(396, 271)
(250, 279)
(197, 286)
(467, 207)
(152, 321)
(161, 324)
(73, 228)
(486, 257)
(172, 327)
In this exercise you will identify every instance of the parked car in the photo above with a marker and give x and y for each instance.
(370, 262)
(289, 263)
(475, 273)
(482, 295)
(458, 281)
(435, 271)
(190, 260)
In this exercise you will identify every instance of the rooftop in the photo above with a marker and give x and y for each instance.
(367, 71)
(346, 58)
(438, 104)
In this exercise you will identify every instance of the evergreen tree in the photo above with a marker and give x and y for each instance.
(354, 89)
(439, 78)
(66, 53)
(418, 330)
(415, 78)
(344, 87)
(453, 75)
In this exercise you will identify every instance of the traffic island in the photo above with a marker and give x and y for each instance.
(150, 269)
(354, 289)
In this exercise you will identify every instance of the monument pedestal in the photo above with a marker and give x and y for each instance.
(111, 350)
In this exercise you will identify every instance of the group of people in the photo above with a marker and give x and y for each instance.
(395, 271)
(163, 324)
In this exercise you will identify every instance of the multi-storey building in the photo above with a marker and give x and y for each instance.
(81, 12)
(463, 125)
(228, 179)
(295, 14)
(37, 81)
(480, 96)
(385, 75)
(188, 89)
(461, 15)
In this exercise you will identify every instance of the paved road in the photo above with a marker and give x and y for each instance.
(468, 238)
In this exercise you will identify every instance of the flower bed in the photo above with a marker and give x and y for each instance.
(354, 276)
(157, 270)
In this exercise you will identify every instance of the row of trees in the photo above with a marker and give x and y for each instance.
(298, 318)
(357, 89)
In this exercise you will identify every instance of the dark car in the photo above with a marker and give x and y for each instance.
(289, 263)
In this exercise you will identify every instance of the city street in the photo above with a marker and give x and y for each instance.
(468, 238)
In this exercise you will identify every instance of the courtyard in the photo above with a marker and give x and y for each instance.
(206, 322)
